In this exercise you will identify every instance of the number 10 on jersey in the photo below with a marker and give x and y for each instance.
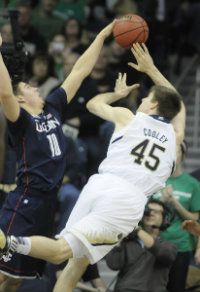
(54, 145)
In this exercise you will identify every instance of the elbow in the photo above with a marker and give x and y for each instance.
(91, 106)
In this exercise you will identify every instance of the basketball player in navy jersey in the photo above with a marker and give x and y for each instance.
(35, 129)
(140, 158)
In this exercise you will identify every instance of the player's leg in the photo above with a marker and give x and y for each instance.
(51, 250)
(71, 275)
(55, 251)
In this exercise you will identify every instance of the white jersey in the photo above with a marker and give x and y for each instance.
(143, 152)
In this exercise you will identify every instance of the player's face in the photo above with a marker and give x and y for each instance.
(148, 105)
(30, 95)
(155, 217)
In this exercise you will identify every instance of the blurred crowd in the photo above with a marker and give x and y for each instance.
(55, 34)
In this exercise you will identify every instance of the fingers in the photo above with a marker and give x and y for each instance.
(124, 78)
(188, 223)
(134, 52)
(135, 66)
(169, 189)
(145, 48)
(139, 49)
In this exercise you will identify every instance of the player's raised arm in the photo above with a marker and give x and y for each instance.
(85, 63)
(145, 64)
(100, 104)
(8, 101)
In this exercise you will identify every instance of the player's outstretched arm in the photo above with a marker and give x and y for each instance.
(145, 64)
(85, 63)
(100, 104)
(8, 101)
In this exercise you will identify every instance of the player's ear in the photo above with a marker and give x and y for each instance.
(154, 105)
(20, 98)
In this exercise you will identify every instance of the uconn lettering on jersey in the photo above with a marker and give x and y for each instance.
(47, 125)
(157, 135)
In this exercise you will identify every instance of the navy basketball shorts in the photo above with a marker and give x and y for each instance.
(26, 215)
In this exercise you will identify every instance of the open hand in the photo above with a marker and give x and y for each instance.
(167, 194)
(121, 88)
(143, 58)
(192, 226)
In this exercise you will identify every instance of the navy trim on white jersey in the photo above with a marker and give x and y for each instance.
(162, 119)
(117, 139)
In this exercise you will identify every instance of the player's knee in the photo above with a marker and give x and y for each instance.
(64, 252)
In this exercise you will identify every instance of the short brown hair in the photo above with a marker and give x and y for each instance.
(169, 101)
(15, 87)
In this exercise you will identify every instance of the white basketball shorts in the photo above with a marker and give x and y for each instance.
(108, 209)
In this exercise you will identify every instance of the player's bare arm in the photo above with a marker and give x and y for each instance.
(85, 63)
(145, 64)
(192, 226)
(8, 101)
(100, 104)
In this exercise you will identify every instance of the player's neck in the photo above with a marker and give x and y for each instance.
(178, 171)
(153, 112)
(32, 110)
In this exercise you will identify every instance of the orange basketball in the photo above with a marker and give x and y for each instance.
(129, 29)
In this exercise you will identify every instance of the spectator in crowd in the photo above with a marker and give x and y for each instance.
(56, 50)
(118, 58)
(192, 226)
(6, 32)
(102, 73)
(183, 194)
(43, 75)
(72, 31)
(45, 21)
(70, 8)
(33, 40)
(143, 259)
(122, 7)
(99, 12)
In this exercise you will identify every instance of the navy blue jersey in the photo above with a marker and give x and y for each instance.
(40, 144)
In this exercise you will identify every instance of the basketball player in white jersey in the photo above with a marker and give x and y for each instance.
(140, 158)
